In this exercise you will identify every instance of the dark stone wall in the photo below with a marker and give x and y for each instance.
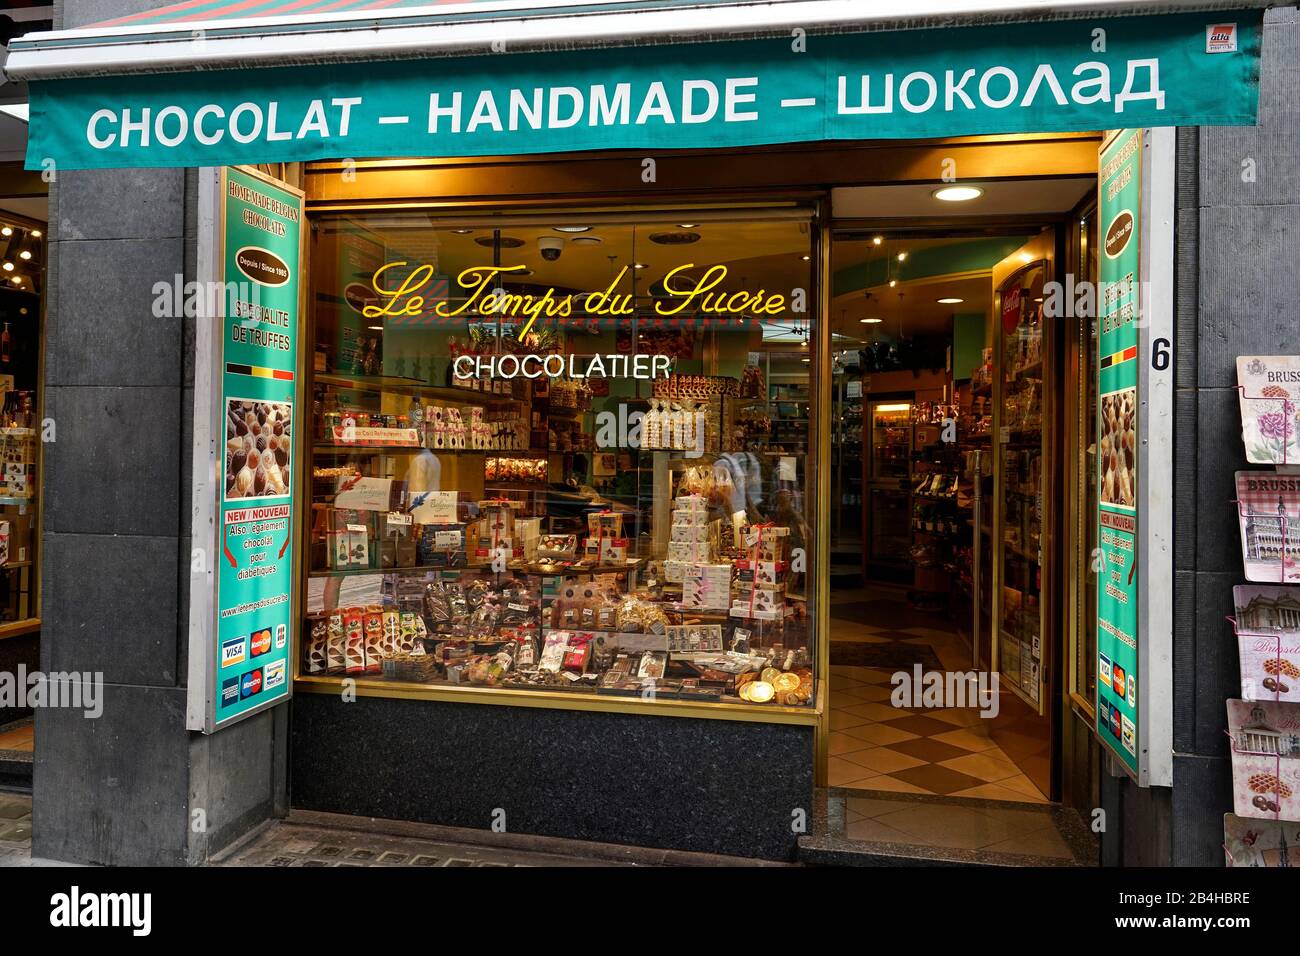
(122, 789)
(1237, 289)
(714, 786)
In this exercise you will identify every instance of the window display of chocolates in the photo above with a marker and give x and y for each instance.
(555, 632)
(493, 572)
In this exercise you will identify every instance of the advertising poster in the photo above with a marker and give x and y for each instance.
(1119, 213)
(260, 259)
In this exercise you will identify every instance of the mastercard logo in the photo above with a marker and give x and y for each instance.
(260, 641)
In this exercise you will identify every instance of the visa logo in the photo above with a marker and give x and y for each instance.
(232, 652)
(250, 684)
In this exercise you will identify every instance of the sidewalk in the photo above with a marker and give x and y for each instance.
(327, 839)
(324, 839)
(15, 829)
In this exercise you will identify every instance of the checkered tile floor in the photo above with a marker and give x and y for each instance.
(876, 746)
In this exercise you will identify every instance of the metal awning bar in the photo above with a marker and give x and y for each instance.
(226, 34)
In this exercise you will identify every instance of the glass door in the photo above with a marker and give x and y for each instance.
(1026, 547)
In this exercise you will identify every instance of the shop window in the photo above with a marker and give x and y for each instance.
(22, 256)
(567, 453)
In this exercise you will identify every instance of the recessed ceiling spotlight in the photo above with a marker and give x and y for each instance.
(572, 228)
(585, 241)
(687, 225)
(638, 265)
(893, 282)
(36, 233)
(806, 258)
(878, 240)
(7, 231)
(375, 328)
(24, 254)
(806, 359)
(462, 232)
(957, 193)
(950, 300)
(871, 321)
(9, 267)
(902, 257)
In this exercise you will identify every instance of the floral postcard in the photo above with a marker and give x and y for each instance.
(1269, 391)
(1259, 842)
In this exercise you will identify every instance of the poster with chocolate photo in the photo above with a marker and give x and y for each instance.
(1268, 389)
(1117, 447)
(259, 446)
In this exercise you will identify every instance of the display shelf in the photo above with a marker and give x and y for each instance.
(410, 386)
(13, 500)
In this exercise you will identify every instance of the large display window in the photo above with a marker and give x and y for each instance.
(566, 452)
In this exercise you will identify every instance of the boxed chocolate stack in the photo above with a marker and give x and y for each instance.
(707, 587)
(761, 574)
(496, 529)
(605, 541)
(688, 538)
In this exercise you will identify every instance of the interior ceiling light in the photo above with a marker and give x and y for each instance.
(950, 300)
(902, 257)
(639, 265)
(462, 232)
(871, 321)
(572, 228)
(957, 193)
(893, 282)
(36, 234)
(807, 359)
(585, 241)
(9, 267)
(687, 225)
(878, 240)
(24, 254)
(375, 328)
(806, 258)
(7, 231)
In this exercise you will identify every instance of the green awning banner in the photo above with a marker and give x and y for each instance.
(1186, 69)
